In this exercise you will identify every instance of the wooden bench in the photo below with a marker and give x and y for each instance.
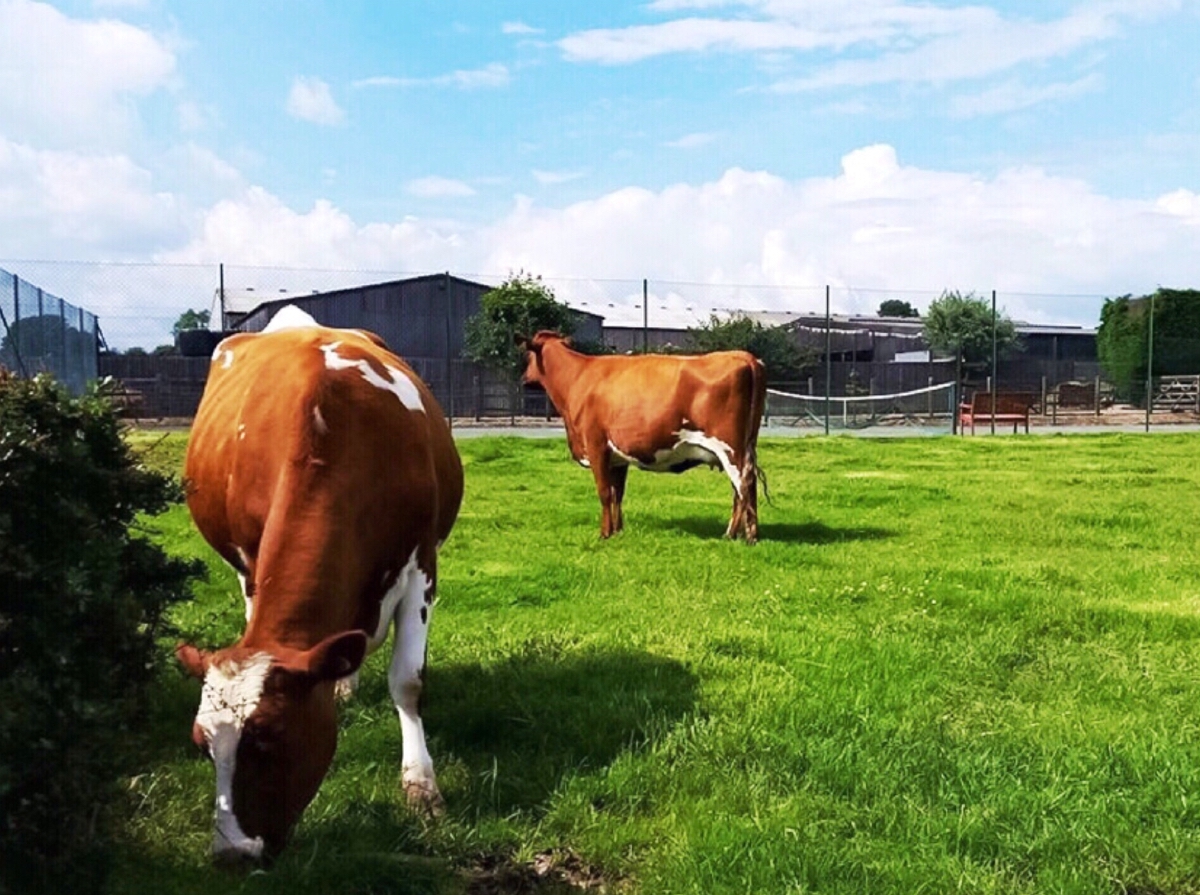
(127, 401)
(1009, 407)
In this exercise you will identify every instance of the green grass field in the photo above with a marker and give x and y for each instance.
(950, 665)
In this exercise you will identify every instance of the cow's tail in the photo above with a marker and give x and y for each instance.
(758, 404)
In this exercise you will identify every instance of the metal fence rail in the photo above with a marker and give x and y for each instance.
(41, 333)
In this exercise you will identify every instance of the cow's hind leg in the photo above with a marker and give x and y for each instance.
(750, 497)
(406, 678)
(618, 474)
(599, 457)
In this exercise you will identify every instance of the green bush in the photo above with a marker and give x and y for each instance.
(82, 597)
(1123, 344)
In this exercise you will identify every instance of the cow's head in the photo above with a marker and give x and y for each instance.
(267, 721)
(535, 368)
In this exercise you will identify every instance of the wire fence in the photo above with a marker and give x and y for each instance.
(853, 350)
(42, 333)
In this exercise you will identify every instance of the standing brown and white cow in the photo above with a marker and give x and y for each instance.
(322, 469)
(663, 413)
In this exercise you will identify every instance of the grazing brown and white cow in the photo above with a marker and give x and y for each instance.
(663, 413)
(322, 469)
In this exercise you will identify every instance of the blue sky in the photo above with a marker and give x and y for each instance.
(1045, 148)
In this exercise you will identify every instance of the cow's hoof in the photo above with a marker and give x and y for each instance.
(424, 798)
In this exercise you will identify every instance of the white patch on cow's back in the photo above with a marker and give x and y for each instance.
(290, 317)
(225, 355)
(231, 695)
(398, 382)
(690, 446)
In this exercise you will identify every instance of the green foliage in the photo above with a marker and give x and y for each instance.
(82, 599)
(1122, 341)
(961, 326)
(32, 344)
(191, 319)
(895, 307)
(521, 305)
(949, 665)
(784, 360)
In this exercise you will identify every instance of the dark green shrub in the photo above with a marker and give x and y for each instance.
(1123, 346)
(82, 597)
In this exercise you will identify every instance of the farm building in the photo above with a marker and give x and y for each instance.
(423, 319)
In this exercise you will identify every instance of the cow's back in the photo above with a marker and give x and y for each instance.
(312, 435)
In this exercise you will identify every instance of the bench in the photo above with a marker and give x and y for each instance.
(125, 400)
(1009, 407)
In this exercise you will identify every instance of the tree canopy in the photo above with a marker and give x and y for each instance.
(191, 319)
(521, 305)
(773, 345)
(1122, 341)
(960, 325)
(895, 307)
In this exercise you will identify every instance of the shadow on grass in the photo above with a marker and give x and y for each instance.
(786, 532)
(505, 736)
(522, 726)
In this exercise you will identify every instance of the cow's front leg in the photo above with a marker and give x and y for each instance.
(405, 681)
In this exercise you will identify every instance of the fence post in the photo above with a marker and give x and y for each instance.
(993, 378)
(1097, 394)
(1150, 365)
(449, 300)
(645, 316)
(828, 359)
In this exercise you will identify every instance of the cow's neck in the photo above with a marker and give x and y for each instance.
(299, 601)
(560, 370)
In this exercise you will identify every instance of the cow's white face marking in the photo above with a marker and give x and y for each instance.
(241, 430)
(397, 381)
(290, 317)
(319, 421)
(231, 695)
(690, 446)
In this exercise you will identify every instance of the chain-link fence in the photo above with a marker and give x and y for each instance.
(864, 361)
(41, 333)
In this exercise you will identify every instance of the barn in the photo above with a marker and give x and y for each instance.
(423, 319)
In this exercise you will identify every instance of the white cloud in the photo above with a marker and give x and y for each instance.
(875, 224)
(519, 28)
(438, 187)
(68, 80)
(552, 178)
(691, 141)
(489, 77)
(82, 206)
(311, 100)
(1013, 96)
(870, 41)
(256, 228)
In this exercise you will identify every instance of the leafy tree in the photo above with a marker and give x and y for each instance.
(1122, 341)
(521, 305)
(773, 345)
(164, 350)
(190, 320)
(895, 307)
(961, 326)
(82, 598)
(136, 351)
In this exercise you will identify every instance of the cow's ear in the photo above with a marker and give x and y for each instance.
(337, 656)
(195, 662)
